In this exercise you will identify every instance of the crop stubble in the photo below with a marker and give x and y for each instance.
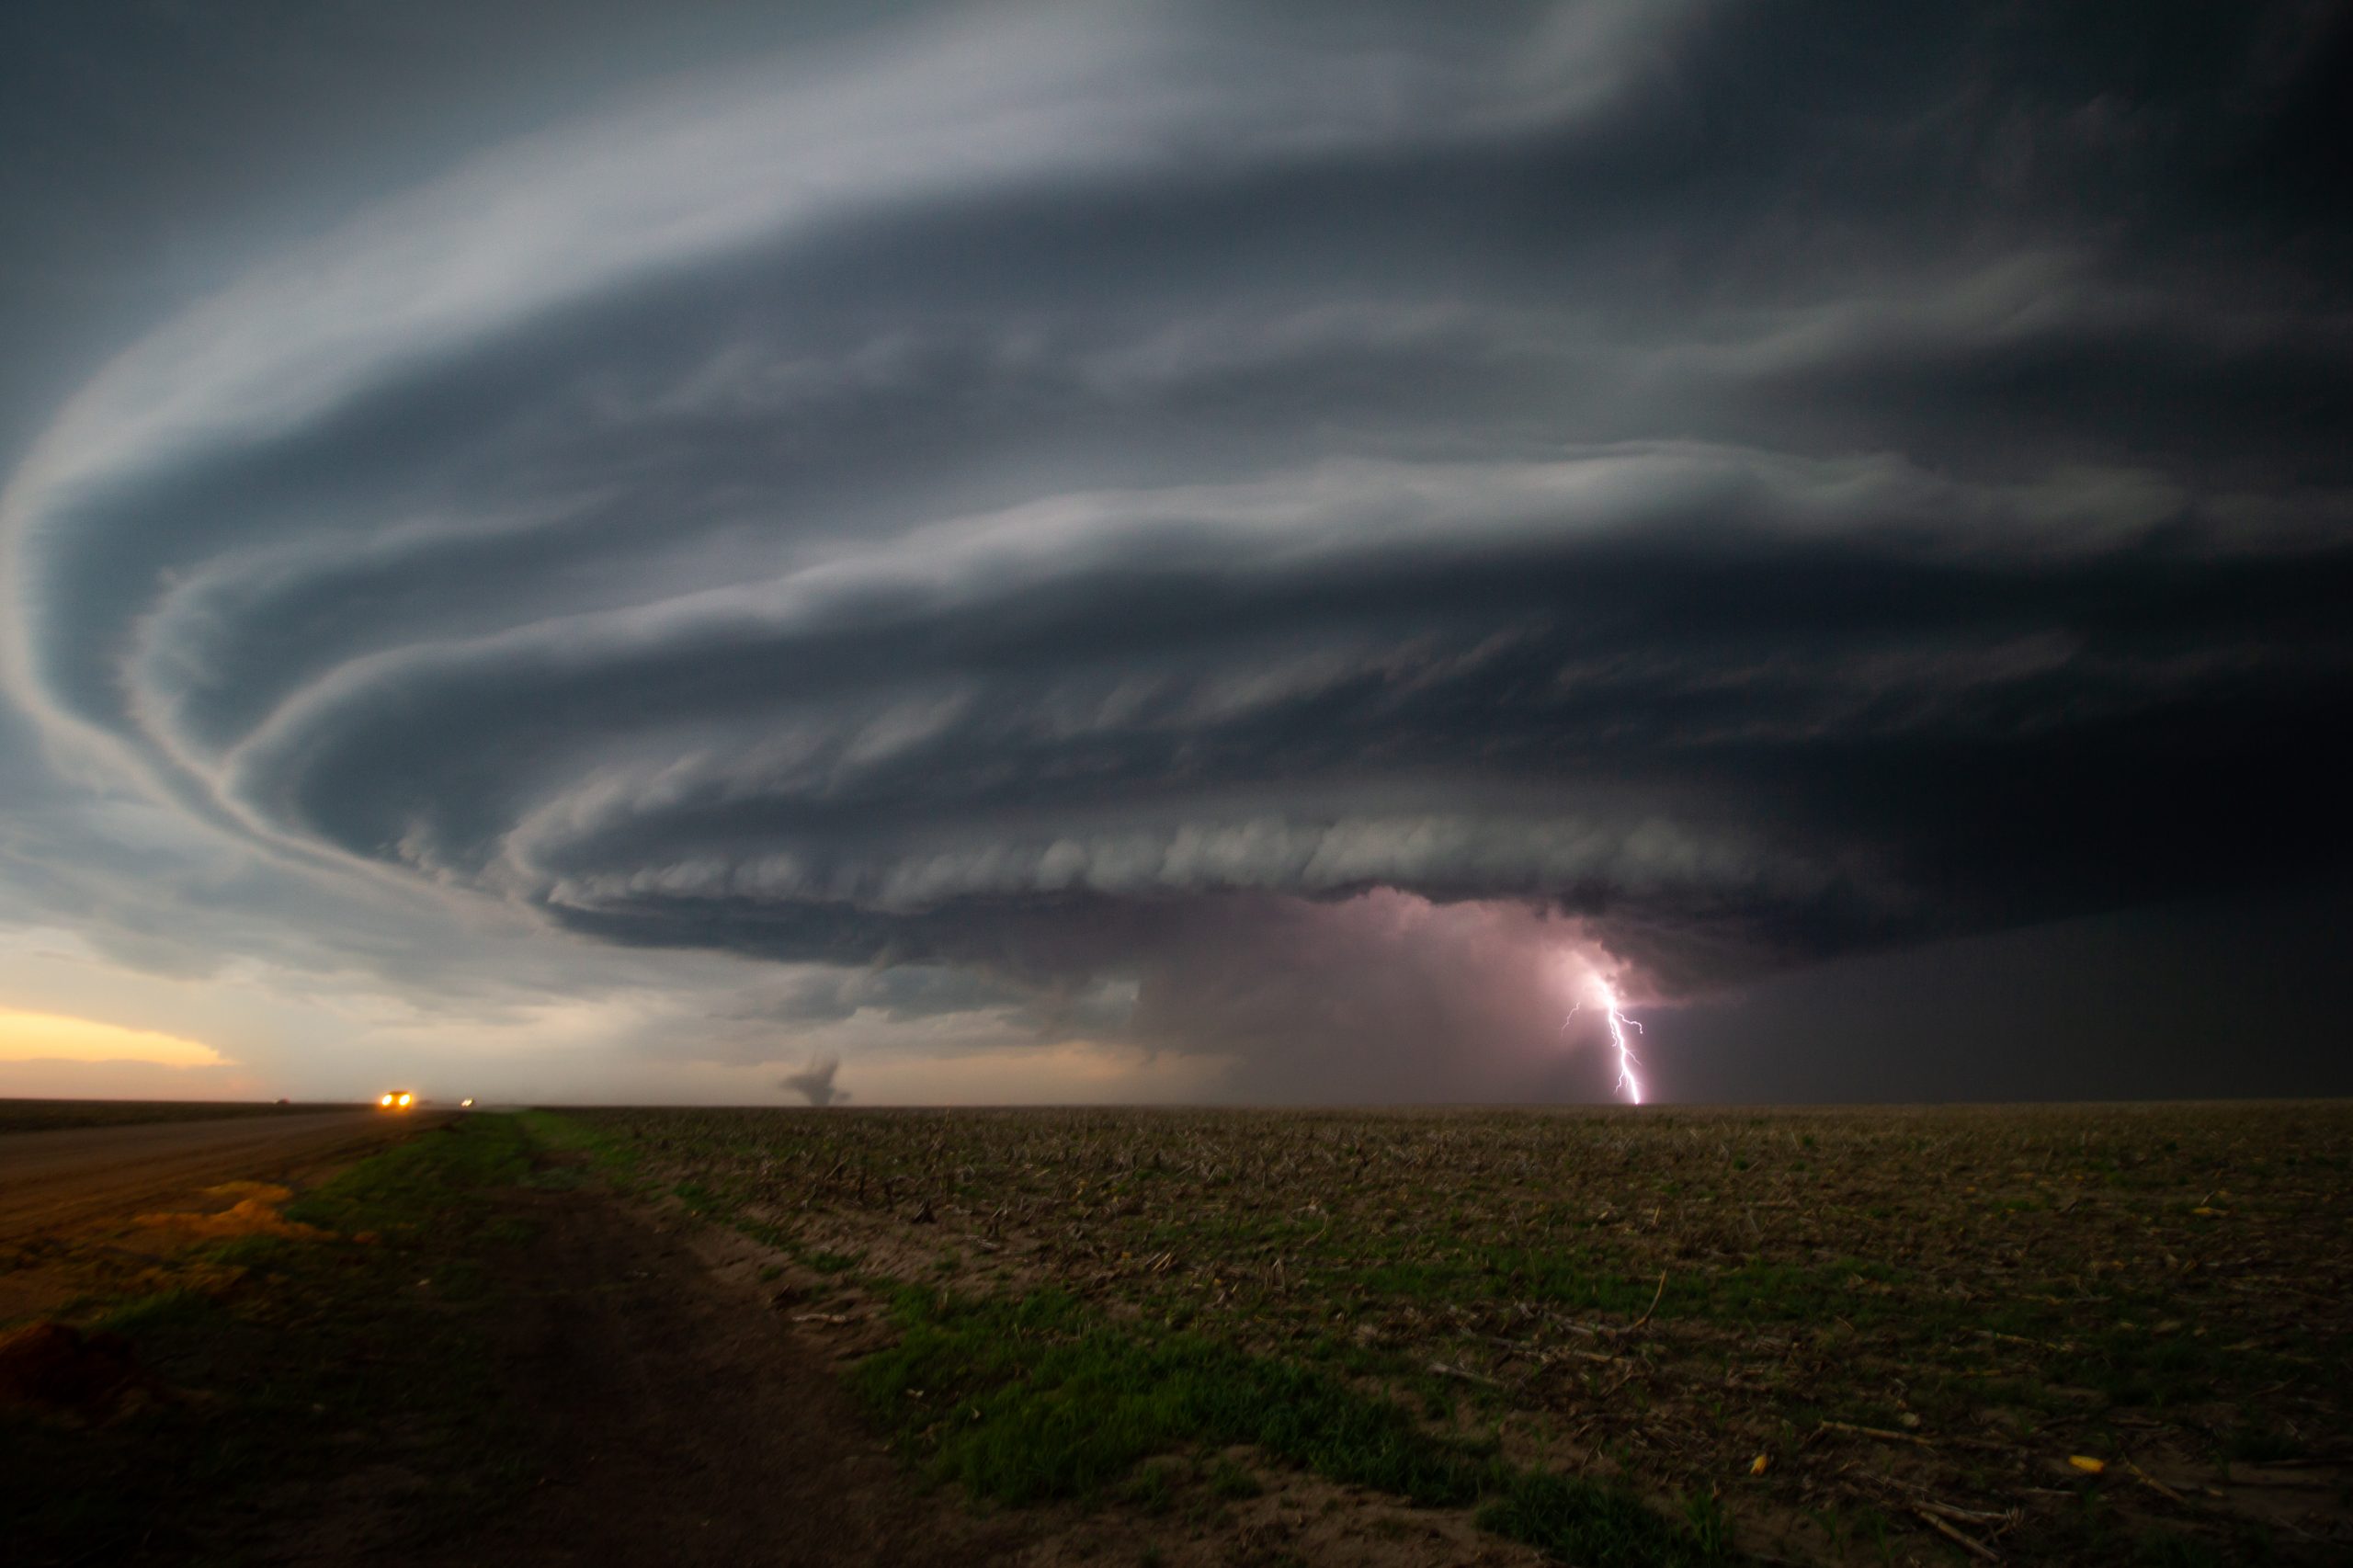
(1849, 1327)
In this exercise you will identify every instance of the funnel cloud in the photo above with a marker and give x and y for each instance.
(814, 1083)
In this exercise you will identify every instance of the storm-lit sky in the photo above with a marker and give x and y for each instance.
(1174, 552)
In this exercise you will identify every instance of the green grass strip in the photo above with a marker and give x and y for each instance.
(616, 1159)
(1040, 1398)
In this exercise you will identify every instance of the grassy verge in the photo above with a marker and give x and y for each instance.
(617, 1162)
(332, 1393)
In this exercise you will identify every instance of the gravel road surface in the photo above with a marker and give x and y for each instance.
(68, 1177)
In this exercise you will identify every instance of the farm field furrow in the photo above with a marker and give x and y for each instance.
(2065, 1334)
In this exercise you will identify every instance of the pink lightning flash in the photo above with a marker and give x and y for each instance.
(1618, 1023)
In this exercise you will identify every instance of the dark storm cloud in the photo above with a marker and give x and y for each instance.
(1097, 492)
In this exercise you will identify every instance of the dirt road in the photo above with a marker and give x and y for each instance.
(54, 1180)
(686, 1424)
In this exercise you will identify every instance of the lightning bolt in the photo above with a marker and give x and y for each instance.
(1619, 1024)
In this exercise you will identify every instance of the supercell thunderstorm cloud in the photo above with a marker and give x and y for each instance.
(1319, 538)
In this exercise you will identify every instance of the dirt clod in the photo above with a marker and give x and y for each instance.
(55, 1366)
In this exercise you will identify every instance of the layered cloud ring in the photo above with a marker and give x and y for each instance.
(1007, 497)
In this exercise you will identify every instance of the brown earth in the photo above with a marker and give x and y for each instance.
(59, 1367)
(685, 1424)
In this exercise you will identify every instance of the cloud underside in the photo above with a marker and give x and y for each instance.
(1175, 480)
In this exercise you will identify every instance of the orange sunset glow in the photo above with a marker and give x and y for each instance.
(53, 1037)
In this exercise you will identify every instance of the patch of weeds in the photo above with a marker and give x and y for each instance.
(439, 1178)
(1040, 1398)
(162, 1311)
(2166, 1549)
(1152, 1489)
(1861, 1527)
(512, 1230)
(2131, 1367)
(1050, 1402)
(1710, 1528)
(1232, 1483)
(2249, 1543)
(617, 1159)
(1584, 1522)
(247, 1252)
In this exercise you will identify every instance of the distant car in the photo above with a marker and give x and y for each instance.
(466, 1104)
(283, 1100)
(396, 1099)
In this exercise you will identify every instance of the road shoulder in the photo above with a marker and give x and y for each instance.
(460, 1351)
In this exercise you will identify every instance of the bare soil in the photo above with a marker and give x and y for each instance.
(685, 1422)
